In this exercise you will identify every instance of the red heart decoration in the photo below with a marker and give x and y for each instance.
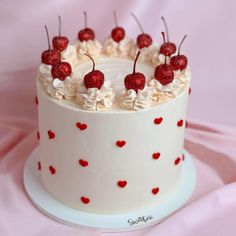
(155, 190)
(81, 126)
(85, 200)
(156, 155)
(51, 135)
(38, 135)
(177, 160)
(120, 143)
(122, 183)
(180, 123)
(39, 165)
(158, 120)
(36, 100)
(83, 162)
(189, 91)
(52, 170)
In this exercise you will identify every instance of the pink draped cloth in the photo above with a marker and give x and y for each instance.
(211, 46)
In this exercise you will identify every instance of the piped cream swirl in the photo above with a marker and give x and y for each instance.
(121, 49)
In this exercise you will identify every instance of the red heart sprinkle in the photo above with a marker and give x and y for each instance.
(122, 183)
(120, 143)
(180, 123)
(189, 91)
(177, 160)
(85, 200)
(156, 155)
(36, 100)
(39, 165)
(155, 190)
(51, 135)
(158, 120)
(83, 162)
(81, 126)
(38, 135)
(183, 157)
(52, 170)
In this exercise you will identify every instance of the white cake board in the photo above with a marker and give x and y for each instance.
(106, 223)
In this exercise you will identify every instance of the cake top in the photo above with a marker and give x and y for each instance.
(120, 74)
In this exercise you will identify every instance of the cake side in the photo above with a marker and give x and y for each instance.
(111, 162)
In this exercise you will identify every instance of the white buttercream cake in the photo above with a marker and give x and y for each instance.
(111, 144)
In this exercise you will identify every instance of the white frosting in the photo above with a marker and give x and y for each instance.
(146, 54)
(63, 89)
(121, 49)
(96, 99)
(158, 59)
(91, 47)
(45, 76)
(70, 55)
(136, 101)
(108, 163)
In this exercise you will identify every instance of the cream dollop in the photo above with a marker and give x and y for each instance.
(136, 101)
(45, 76)
(158, 59)
(163, 93)
(91, 47)
(121, 49)
(146, 54)
(63, 89)
(95, 99)
(70, 55)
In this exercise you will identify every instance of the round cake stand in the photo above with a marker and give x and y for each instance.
(106, 223)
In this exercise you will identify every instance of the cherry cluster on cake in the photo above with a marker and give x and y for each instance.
(163, 73)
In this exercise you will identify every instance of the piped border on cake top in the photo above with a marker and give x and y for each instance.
(91, 91)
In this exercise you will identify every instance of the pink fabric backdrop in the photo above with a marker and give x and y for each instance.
(211, 49)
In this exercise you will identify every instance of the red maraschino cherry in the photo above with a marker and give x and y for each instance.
(143, 40)
(136, 80)
(61, 70)
(118, 33)
(95, 78)
(180, 61)
(60, 42)
(167, 48)
(86, 33)
(50, 56)
(164, 73)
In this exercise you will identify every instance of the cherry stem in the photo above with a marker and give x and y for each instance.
(85, 19)
(92, 60)
(165, 60)
(59, 20)
(166, 28)
(115, 18)
(181, 43)
(135, 61)
(164, 37)
(136, 19)
(49, 47)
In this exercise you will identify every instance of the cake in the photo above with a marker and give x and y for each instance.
(111, 121)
